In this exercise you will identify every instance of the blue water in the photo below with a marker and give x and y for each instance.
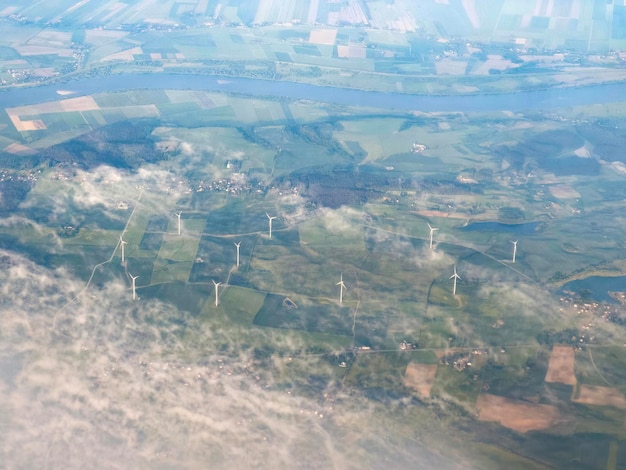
(518, 229)
(520, 101)
(597, 286)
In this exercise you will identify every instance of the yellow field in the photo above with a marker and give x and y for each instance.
(18, 149)
(420, 377)
(124, 55)
(601, 396)
(323, 36)
(516, 414)
(83, 103)
(563, 191)
(561, 365)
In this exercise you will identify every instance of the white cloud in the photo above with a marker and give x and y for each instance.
(116, 385)
(344, 220)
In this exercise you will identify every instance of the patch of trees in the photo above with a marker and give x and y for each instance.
(239, 68)
(551, 337)
(381, 394)
(515, 381)
(513, 57)
(251, 135)
(528, 67)
(308, 72)
(334, 187)
(68, 231)
(261, 353)
(415, 122)
(607, 138)
(126, 145)
(320, 134)
(510, 214)
(349, 185)
(342, 359)
(540, 147)
(571, 165)
(12, 193)
(484, 175)
(443, 185)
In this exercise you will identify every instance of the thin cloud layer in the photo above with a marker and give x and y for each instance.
(103, 188)
(105, 382)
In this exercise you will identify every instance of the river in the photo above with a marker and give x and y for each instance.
(538, 100)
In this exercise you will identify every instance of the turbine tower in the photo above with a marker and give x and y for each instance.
(238, 245)
(178, 214)
(342, 286)
(455, 276)
(432, 231)
(514, 250)
(133, 285)
(122, 243)
(270, 220)
(217, 301)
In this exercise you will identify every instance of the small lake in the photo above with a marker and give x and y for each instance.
(597, 287)
(527, 228)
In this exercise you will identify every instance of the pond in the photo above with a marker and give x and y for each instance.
(527, 228)
(596, 287)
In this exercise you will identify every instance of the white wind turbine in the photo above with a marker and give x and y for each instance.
(270, 220)
(238, 245)
(122, 243)
(514, 250)
(217, 285)
(342, 286)
(432, 231)
(133, 285)
(455, 276)
(178, 214)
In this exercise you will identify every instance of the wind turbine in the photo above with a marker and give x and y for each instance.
(270, 219)
(342, 286)
(432, 231)
(122, 243)
(238, 245)
(178, 214)
(455, 276)
(216, 284)
(133, 284)
(514, 250)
